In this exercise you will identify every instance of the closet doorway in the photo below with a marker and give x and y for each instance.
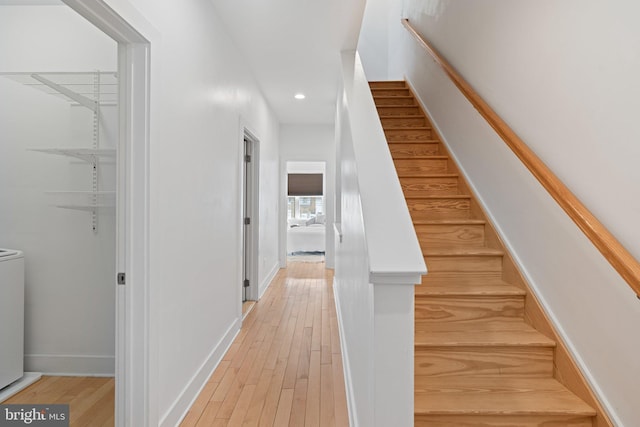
(59, 118)
(84, 186)
(250, 210)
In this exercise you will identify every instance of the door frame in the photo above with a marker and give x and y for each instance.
(134, 355)
(250, 249)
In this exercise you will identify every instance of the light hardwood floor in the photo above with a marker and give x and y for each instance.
(285, 366)
(90, 399)
(247, 306)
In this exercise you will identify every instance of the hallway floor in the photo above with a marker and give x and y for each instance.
(90, 399)
(285, 366)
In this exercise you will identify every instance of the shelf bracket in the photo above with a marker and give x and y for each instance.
(80, 99)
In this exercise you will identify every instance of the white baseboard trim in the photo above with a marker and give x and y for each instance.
(267, 281)
(14, 388)
(70, 364)
(189, 394)
(353, 421)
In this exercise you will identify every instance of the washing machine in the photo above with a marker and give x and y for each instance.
(11, 316)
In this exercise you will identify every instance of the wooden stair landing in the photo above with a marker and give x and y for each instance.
(477, 361)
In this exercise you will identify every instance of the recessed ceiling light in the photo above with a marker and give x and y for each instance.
(299, 96)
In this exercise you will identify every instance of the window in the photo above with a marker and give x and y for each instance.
(304, 207)
(306, 195)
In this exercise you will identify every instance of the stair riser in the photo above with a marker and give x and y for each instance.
(400, 150)
(388, 85)
(403, 122)
(468, 309)
(427, 209)
(421, 167)
(450, 235)
(408, 135)
(399, 111)
(390, 92)
(459, 278)
(395, 100)
(530, 362)
(501, 421)
(432, 186)
(464, 263)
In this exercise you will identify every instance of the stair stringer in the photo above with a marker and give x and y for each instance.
(566, 370)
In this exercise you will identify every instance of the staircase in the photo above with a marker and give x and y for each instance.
(477, 362)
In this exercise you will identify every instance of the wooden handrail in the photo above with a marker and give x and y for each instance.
(624, 263)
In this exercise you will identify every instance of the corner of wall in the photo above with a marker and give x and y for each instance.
(178, 410)
(264, 285)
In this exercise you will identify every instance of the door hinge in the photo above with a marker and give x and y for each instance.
(247, 221)
(122, 278)
(247, 158)
(245, 283)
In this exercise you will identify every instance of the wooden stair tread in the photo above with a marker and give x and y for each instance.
(505, 324)
(405, 128)
(493, 288)
(390, 91)
(418, 157)
(454, 251)
(452, 196)
(459, 279)
(394, 116)
(414, 141)
(383, 82)
(391, 111)
(403, 116)
(436, 175)
(400, 106)
(481, 334)
(392, 99)
(432, 157)
(496, 396)
(449, 222)
(409, 174)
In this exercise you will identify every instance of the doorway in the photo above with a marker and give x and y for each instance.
(59, 117)
(135, 344)
(122, 208)
(306, 227)
(250, 210)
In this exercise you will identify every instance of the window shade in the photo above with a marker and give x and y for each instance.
(305, 184)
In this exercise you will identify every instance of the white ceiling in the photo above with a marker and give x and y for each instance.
(294, 46)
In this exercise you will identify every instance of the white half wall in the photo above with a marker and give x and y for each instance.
(378, 263)
(70, 271)
(564, 76)
(203, 96)
(308, 143)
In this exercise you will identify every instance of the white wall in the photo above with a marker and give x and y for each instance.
(202, 95)
(308, 143)
(564, 76)
(353, 292)
(377, 45)
(70, 272)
